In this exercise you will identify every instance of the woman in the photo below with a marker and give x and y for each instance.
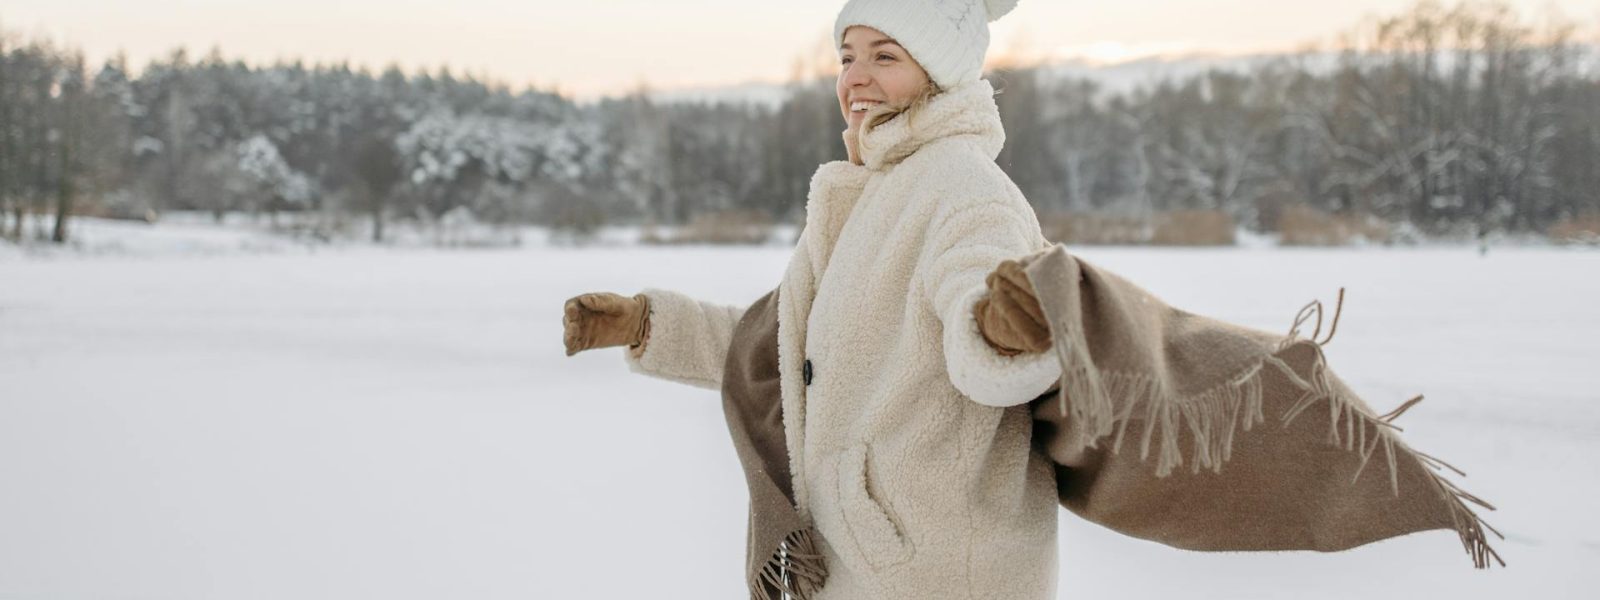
(906, 366)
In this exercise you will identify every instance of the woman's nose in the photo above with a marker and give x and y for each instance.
(856, 75)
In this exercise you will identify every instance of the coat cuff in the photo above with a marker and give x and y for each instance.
(983, 374)
(675, 347)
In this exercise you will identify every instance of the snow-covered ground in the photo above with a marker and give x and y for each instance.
(403, 423)
(190, 234)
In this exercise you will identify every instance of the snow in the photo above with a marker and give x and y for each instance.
(178, 235)
(258, 158)
(403, 423)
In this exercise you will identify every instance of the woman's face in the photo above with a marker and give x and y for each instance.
(873, 69)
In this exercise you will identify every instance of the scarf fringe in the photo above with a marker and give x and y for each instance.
(1213, 416)
(796, 570)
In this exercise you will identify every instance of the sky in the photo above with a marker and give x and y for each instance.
(598, 47)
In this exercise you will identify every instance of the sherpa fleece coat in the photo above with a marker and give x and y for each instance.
(909, 446)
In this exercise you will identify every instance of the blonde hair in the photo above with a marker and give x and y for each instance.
(911, 110)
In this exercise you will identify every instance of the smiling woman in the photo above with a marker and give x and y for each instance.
(903, 367)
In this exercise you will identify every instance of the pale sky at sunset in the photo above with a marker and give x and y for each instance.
(592, 47)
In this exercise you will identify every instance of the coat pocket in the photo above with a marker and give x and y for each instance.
(878, 536)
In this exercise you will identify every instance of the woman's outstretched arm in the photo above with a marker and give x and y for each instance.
(686, 340)
(964, 244)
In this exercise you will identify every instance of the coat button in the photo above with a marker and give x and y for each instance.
(805, 371)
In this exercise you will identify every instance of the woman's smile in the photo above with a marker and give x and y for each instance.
(859, 110)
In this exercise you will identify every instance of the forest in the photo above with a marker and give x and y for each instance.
(1444, 121)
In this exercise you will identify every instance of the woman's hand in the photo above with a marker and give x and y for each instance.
(603, 319)
(1009, 317)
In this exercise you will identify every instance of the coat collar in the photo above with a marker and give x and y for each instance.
(965, 110)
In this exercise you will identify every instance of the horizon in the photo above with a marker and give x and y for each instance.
(759, 47)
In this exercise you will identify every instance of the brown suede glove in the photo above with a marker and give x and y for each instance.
(1009, 317)
(604, 319)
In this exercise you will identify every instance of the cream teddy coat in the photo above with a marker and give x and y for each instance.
(909, 447)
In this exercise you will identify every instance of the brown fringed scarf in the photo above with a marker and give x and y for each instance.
(1185, 388)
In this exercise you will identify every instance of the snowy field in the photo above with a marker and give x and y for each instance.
(403, 423)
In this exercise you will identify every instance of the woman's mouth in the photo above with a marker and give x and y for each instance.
(862, 106)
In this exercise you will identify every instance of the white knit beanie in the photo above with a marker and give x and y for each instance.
(947, 37)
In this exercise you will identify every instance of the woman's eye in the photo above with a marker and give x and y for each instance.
(885, 57)
(844, 61)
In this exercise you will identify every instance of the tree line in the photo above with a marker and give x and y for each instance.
(1442, 119)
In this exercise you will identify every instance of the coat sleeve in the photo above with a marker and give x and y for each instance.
(688, 340)
(964, 246)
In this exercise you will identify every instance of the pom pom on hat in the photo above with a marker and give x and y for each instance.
(999, 8)
(947, 37)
